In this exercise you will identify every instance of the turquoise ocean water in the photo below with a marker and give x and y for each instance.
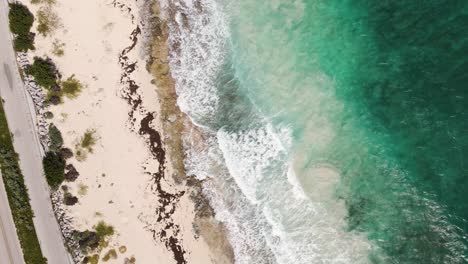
(335, 131)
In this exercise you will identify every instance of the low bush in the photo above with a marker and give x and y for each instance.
(48, 115)
(66, 153)
(71, 87)
(69, 199)
(54, 167)
(96, 239)
(44, 72)
(21, 20)
(24, 43)
(55, 136)
(54, 99)
(103, 230)
(72, 174)
(87, 240)
(111, 254)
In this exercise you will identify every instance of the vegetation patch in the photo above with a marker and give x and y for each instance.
(82, 189)
(44, 72)
(89, 140)
(104, 230)
(85, 144)
(94, 259)
(48, 115)
(69, 199)
(18, 197)
(49, 2)
(66, 153)
(71, 174)
(94, 240)
(21, 20)
(55, 136)
(111, 254)
(54, 167)
(71, 87)
(57, 48)
(48, 20)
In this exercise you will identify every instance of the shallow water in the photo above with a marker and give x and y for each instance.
(336, 131)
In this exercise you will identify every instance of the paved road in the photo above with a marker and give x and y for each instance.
(18, 111)
(10, 249)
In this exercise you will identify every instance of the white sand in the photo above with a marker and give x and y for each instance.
(94, 33)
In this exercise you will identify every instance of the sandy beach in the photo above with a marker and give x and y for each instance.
(132, 178)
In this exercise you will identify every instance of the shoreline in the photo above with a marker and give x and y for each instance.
(175, 124)
(166, 206)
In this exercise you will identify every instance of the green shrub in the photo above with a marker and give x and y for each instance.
(23, 43)
(48, 115)
(43, 71)
(111, 254)
(103, 230)
(21, 19)
(56, 140)
(54, 167)
(71, 87)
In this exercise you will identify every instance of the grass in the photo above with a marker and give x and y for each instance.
(111, 254)
(49, 2)
(48, 20)
(18, 197)
(57, 48)
(94, 259)
(85, 145)
(104, 230)
(89, 140)
(82, 189)
(71, 87)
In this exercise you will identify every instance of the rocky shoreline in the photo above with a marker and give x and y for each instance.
(175, 123)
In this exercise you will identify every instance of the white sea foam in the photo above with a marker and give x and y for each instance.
(198, 40)
(251, 156)
(249, 178)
